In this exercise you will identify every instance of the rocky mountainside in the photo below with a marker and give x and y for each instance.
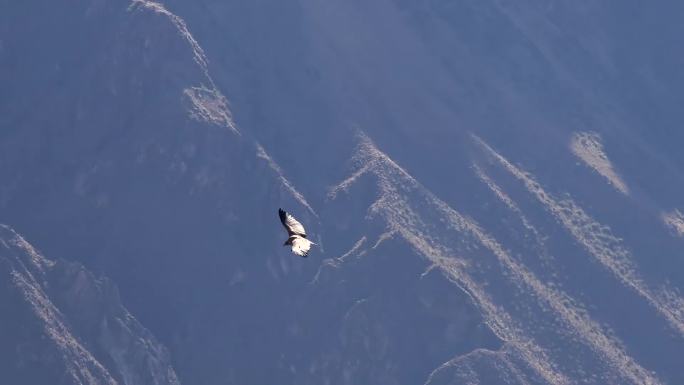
(62, 325)
(495, 189)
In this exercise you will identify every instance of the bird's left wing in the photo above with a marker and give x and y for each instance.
(292, 226)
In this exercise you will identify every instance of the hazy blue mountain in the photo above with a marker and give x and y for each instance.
(62, 325)
(495, 188)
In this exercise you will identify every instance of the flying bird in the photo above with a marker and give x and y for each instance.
(296, 234)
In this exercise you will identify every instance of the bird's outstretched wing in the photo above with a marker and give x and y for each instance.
(292, 226)
(301, 246)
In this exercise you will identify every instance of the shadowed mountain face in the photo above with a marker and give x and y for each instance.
(495, 188)
(61, 325)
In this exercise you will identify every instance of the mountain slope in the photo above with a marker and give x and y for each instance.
(64, 326)
(555, 335)
(495, 187)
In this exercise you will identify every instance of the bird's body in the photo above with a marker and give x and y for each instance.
(296, 234)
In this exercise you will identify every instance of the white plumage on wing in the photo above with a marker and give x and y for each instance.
(296, 234)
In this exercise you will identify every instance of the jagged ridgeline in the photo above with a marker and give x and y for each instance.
(63, 325)
(494, 190)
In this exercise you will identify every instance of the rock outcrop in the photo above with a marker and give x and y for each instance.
(63, 325)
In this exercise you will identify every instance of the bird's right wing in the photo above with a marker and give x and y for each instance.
(301, 246)
(292, 226)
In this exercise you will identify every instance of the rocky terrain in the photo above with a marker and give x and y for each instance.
(62, 325)
(495, 188)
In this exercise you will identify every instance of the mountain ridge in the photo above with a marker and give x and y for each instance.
(72, 322)
(494, 187)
